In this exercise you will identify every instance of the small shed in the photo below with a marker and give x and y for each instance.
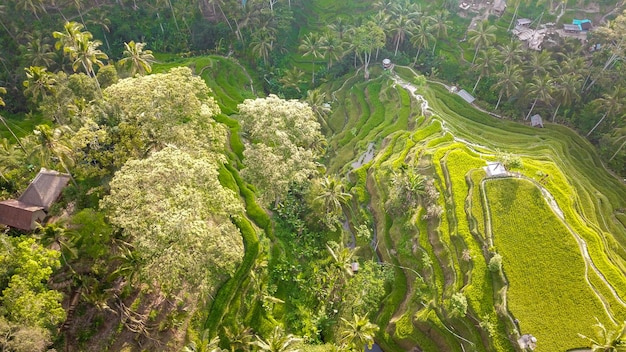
(527, 341)
(523, 22)
(466, 96)
(386, 64)
(571, 28)
(536, 121)
(495, 169)
(499, 6)
(24, 213)
(45, 188)
(21, 215)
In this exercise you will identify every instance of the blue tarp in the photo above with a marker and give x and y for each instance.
(579, 23)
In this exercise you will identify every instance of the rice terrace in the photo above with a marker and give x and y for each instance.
(312, 176)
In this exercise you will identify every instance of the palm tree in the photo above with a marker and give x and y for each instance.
(204, 344)
(292, 79)
(566, 88)
(130, 264)
(539, 63)
(312, 45)
(400, 27)
(39, 82)
(38, 52)
(58, 237)
(540, 88)
(103, 21)
(440, 26)
(508, 82)
(10, 158)
(33, 6)
(333, 49)
(140, 60)
(486, 64)
(341, 28)
(317, 101)
(510, 53)
(4, 91)
(331, 193)
(422, 37)
(610, 103)
(53, 144)
(482, 36)
(262, 43)
(80, 48)
(277, 341)
(342, 258)
(607, 340)
(358, 333)
(239, 337)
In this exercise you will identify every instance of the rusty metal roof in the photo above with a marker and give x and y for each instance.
(20, 215)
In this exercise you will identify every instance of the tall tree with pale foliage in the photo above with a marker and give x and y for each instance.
(281, 137)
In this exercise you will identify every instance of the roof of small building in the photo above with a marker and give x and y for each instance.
(536, 120)
(495, 168)
(466, 96)
(45, 188)
(523, 21)
(499, 5)
(19, 214)
(571, 27)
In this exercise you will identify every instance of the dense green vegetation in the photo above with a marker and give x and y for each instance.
(208, 211)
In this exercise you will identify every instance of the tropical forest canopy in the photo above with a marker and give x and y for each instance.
(247, 176)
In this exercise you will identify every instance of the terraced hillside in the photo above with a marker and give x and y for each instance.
(553, 220)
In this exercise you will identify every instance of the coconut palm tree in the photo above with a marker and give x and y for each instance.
(611, 103)
(539, 63)
(333, 49)
(39, 83)
(331, 193)
(440, 25)
(317, 101)
(565, 90)
(511, 53)
(4, 91)
(77, 44)
(486, 64)
(277, 341)
(508, 82)
(312, 45)
(262, 43)
(607, 340)
(400, 27)
(38, 52)
(139, 60)
(357, 333)
(53, 144)
(541, 89)
(422, 37)
(292, 79)
(341, 28)
(483, 35)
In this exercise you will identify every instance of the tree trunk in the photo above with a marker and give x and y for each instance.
(397, 45)
(555, 112)
(499, 98)
(313, 74)
(475, 54)
(531, 109)
(13, 134)
(416, 55)
(597, 124)
(618, 149)
(476, 85)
